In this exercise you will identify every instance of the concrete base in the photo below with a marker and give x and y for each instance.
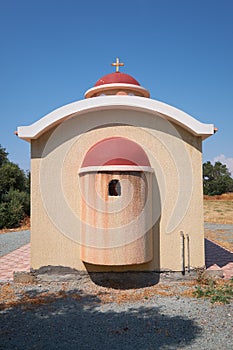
(116, 280)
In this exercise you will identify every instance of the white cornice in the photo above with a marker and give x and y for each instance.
(96, 169)
(106, 87)
(172, 114)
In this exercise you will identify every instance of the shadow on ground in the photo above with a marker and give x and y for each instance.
(125, 280)
(79, 321)
(214, 254)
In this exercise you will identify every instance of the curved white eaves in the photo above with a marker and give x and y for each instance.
(173, 114)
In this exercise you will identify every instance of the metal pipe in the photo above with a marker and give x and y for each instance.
(182, 252)
(188, 252)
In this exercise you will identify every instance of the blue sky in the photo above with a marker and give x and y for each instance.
(53, 51)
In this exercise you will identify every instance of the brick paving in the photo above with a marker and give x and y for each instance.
(18, 260)
(217, 258)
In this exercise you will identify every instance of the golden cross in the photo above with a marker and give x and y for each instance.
(117, 64)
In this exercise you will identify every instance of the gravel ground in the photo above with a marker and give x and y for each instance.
(79, 314)
(13, 240)
(94, 317)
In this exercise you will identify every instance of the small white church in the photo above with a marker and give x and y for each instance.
(116, 182)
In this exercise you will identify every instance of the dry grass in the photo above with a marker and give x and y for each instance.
(7, 293)
(15, 295)
(8, 297)
(222, 197)
(219, 209)
(175, 289)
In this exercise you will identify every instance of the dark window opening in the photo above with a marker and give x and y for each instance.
(114, 188)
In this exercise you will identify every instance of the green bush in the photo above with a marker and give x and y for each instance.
(12, 177)
(14, 192)
(221, 293)
(11, 209)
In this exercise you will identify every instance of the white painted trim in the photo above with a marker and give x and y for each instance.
(104, 87)
(143, 104)
(91, 169)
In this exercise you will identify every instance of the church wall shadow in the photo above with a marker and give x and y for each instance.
(79, 321)
(214, 254)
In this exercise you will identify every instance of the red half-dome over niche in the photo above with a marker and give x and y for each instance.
(116, 152)
(116, 78)
(117, 83)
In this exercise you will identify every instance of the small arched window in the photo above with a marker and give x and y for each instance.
(114, 188)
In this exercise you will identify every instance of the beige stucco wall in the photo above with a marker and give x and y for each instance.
(174, 154)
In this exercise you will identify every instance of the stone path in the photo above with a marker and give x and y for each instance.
(217, 258)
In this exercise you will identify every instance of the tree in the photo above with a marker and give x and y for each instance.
(11, 176)
(3, 155)
(12, 209)
(216, 179)
(14, 192)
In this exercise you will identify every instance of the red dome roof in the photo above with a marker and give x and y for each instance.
(116, 151)
(117, 77)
